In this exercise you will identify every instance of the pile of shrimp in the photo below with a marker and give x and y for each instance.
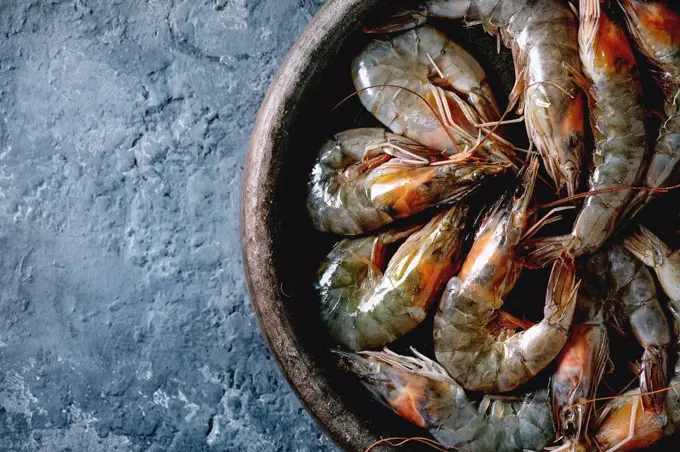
(438, 218)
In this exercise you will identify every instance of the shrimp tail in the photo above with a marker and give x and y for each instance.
(536, 253)
(562, 289)
(401, 20)
(653, 378)
(647, 247)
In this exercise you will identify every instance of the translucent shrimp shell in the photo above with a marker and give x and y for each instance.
(446, 91)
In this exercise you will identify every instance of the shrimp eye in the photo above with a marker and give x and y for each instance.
(569, 415)
(570, 167)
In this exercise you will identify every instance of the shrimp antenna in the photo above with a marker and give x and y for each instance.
(625, 396)
(434, 112)
(400, 441)
(606, 190)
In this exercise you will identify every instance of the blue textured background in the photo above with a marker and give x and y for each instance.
(124, 318)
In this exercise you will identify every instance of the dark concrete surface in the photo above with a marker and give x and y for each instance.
(124, 318)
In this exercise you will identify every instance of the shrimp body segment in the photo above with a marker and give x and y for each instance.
(580, 367)
(451, 91)
(543, 39)
(615, 287)
(365, 305)
(618, 123)
(421, 391)
(625, 426)
(655, 28)
(366, 178)
(471, 340)
(625, 289)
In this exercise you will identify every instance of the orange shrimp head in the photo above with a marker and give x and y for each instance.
(572, 128)
(655, 26)
(613, 53)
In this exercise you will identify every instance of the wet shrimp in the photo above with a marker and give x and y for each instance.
(655, 28)
(421, 391)
(365, 305)
(453, 97)
(580, 367)
(634, 299)
(656, 254)
(615, 288)
(475, 342)
(543, 39)
(618, 123)
(366, 178)
(624, 425)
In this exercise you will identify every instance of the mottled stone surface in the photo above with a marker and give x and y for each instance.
(124, 318)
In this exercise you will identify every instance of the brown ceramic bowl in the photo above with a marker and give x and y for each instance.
(281, 249)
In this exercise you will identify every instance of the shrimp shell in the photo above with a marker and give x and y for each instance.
(543, 37)
(367, 178)
(654, 27)
(421, 391)
(363, 307)
(618, 122)
(424, 61)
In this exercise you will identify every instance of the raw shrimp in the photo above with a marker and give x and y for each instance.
(364, 308)
(543, 39)
(421, 391)
(580, 367)
(473, 341)
(441, 73)
(634, 299)
(655, 28)
(618, 122)
(366, 178)
(615, 287)
(625, 426)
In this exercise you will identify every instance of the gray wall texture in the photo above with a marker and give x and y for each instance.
(124, 318)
